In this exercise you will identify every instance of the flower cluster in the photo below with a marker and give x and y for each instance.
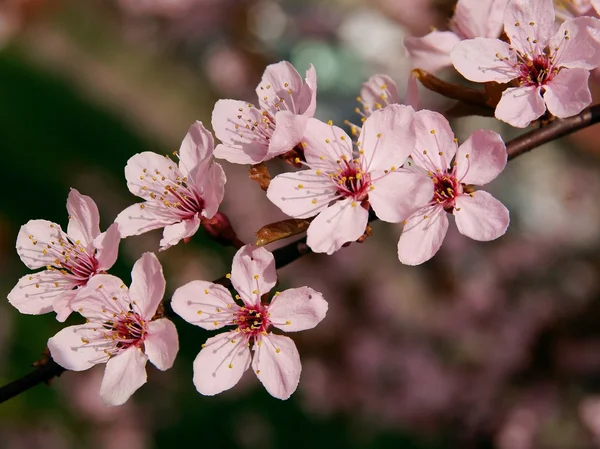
(401, 165)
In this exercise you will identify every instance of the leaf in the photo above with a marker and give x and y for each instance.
(260, 174)
(281, 230)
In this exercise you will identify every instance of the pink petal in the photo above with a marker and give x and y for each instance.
(142, 217)
(568, 93)
(221, 363)
(294, 193)
(297, 309)
(123, 375)
(147, 284)
(107, 246)
(423, 235)
(195, 153)
(481, 216)
(253, 273)
(280, 80)
(396, 195)
(412, 93)
(204, 304)
(84, 219)
(33, 238)
(519, 106)
(481, 158)
(213, 189)
(62, 305)
(306, 104)
(435, 146)
(35, 293)
(176, 232)
(377, 91)
(582, 49)
(100, 292)
(343, 221)
(325, 144)
(484, 59)
(240, 145)
(388, 137)
(432, 51)
(519, 16)
(68, 350)
(289, 129)
(479, 18)
(276, 363)
(161, 344)
(145, 171)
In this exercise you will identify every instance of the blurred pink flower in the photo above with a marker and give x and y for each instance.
(380, 91)
(225, 357)
(557, 79)
(177, 197)
(70, 258)
(352, 182)
(479, 160)
(251, 135)
(120, 331)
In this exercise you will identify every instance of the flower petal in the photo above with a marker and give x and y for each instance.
(32, 241)
(107, 245)
(68, 350)
(423, 235)
(204, 304)
(306, 103)
(582, 48)
(289, 129)
(301, 194)
(568, 93)
(396, 195)
(388, 137)
(62, 305)
(142, 217)
(432, 51)
(195, 153)
(123, 375)
(221, 363)
(379, 90)
(253, 273)
(103, 295)
(481, 158)
(213, 190)
(162, 343)
(176, 232)
(325, 144)
(484, 59)
(147, 284)
(276, 363)
(533, 19)
(479, 18)
(35, 293)
(280, 83)
(435, 146)
(481, 216)
(84, 219)
(148, 173)
(297, 309)
(342, 222)
(519, 106)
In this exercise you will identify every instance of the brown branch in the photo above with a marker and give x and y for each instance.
(295, 250)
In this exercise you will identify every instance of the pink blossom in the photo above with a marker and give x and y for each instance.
(254, 134)
(339, 185)
(380, 91)
(472, 18)
(552, 69)
(479, 160)
(567, 9)
(225, 357)
(71, 259)
(177, 197)
(120, 331)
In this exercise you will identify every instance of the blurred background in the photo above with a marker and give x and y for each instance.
(493, 345)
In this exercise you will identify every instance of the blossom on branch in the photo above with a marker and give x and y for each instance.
(253, 134)
(452, 170)
(71, 259)
(120, 331)
(551, 69)
(225, 357)
(380, 91)
(340, 185)
(177, 197)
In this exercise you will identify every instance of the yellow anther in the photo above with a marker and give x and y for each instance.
(256, 276)
(288, 322)
(228, 275)
(277, 350)
(330, 122)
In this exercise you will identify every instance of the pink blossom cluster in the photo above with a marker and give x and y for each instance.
(401, 165)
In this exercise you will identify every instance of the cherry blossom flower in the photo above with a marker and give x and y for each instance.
(380, 91)
(552, 69)
(254, 134)
(479, 160)
(70, 258)
(472, 18)
(120, 331)
(339, 185)
(177, 197)
(225, 357)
